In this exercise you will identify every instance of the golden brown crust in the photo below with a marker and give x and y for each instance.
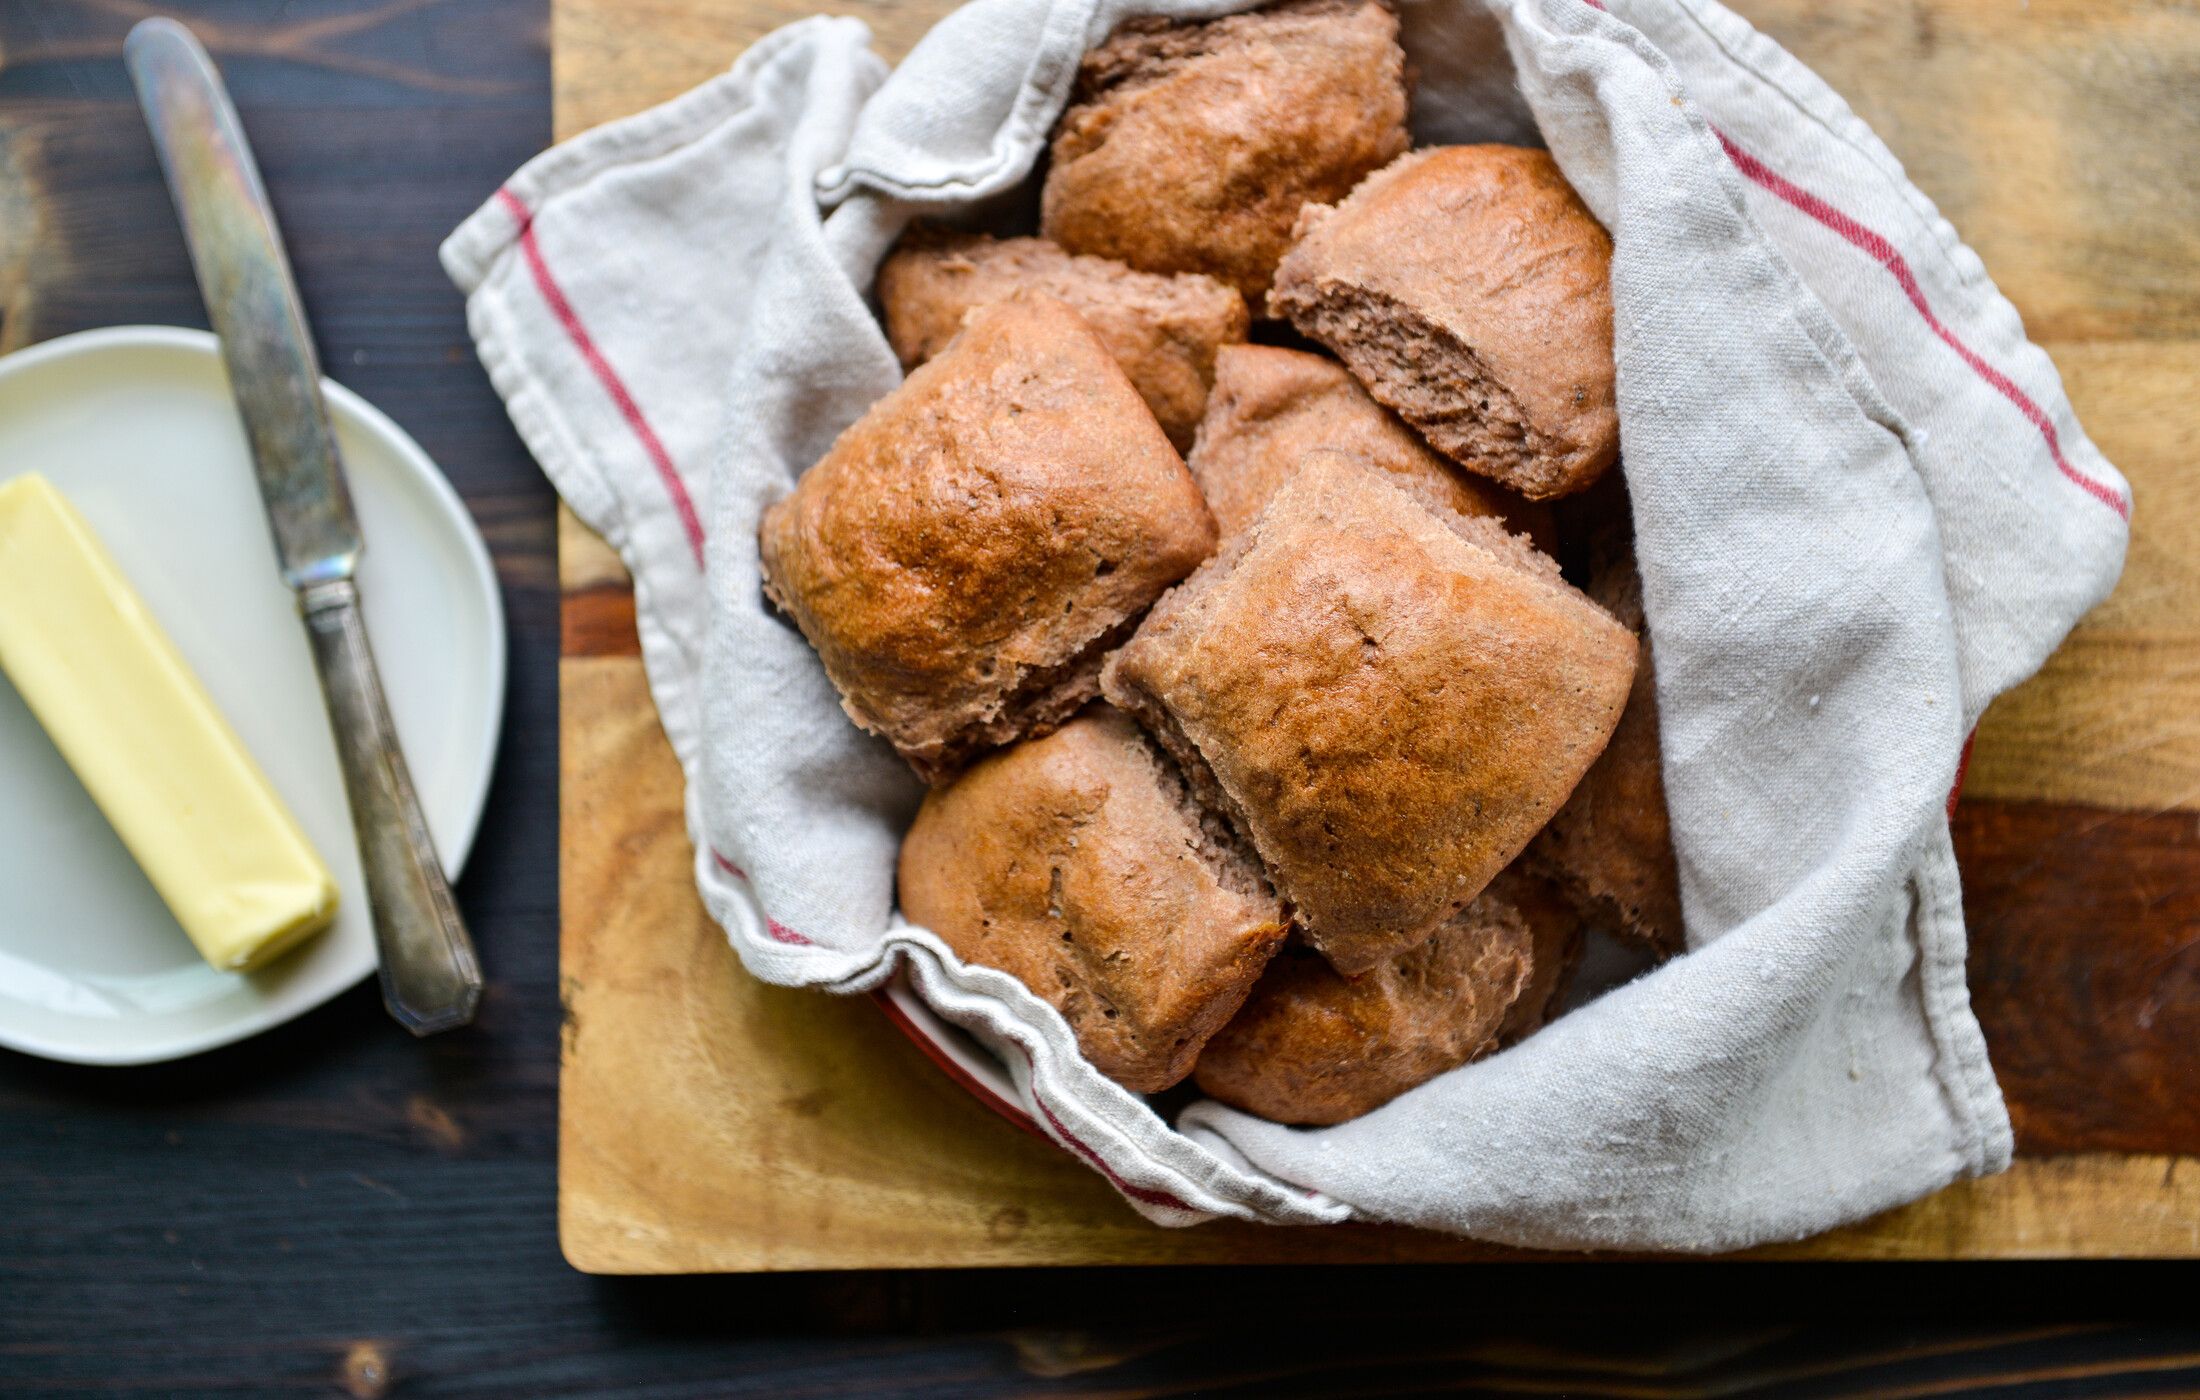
(1075, 864)
(1470, 289)
(1387, 703)
(1191, 146)
(1314, 1047)
(1610, 848)
(1270, 407)
(1163, 331)
(966, 549)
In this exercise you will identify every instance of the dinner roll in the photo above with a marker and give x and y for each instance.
(1314, 1047)
(1470, 290)
(1555, 937)
(967, 551)
(1611, 846)
(1388, 702)
(1270, 407)
(1163, 331)
(1078, 864)
(1189, 147)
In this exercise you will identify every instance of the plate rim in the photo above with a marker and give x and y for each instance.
(984, 1075)
(343, 404)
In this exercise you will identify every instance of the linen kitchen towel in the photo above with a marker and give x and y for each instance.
(1863, 509)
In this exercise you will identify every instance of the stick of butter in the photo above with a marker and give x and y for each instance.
(146, 741)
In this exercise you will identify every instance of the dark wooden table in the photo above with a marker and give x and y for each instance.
(335, 1208)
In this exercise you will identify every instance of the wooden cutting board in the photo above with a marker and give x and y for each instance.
(711, 1123)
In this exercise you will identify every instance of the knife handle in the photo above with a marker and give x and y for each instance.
(431, 979)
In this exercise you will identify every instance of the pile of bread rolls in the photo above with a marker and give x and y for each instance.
(1294, 763)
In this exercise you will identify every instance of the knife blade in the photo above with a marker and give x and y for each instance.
(430, 977)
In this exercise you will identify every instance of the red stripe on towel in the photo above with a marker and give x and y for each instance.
(652, 446)
(1888, 256)
(1963, 770)
(782, 934)
(778, 931)
(1137, 1193)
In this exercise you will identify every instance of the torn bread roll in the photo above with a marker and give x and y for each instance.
(1555, 936)
(1079, 864)
(1387, 701)
(1610, 848)
(1469, 289)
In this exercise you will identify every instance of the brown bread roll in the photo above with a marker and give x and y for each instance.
(1610, 848)
(1189, 147)
(1079, 865)
(967, 551)
(1555, 935)
(1315, 1047)
(1270, 407)
(1163, 331)
(1386, 702)
(1469, 289)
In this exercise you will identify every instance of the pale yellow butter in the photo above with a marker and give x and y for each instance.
(146, 741)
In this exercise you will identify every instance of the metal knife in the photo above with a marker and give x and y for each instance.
(431, 980)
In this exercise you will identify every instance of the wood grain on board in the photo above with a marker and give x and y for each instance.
(711, 1123)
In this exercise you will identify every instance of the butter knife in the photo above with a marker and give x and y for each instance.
(431, 980)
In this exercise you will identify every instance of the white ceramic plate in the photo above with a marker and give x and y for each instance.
(135, 425)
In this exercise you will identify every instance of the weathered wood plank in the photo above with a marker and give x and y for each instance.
(2053, 135)
(598, 621)
(2085, 971)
